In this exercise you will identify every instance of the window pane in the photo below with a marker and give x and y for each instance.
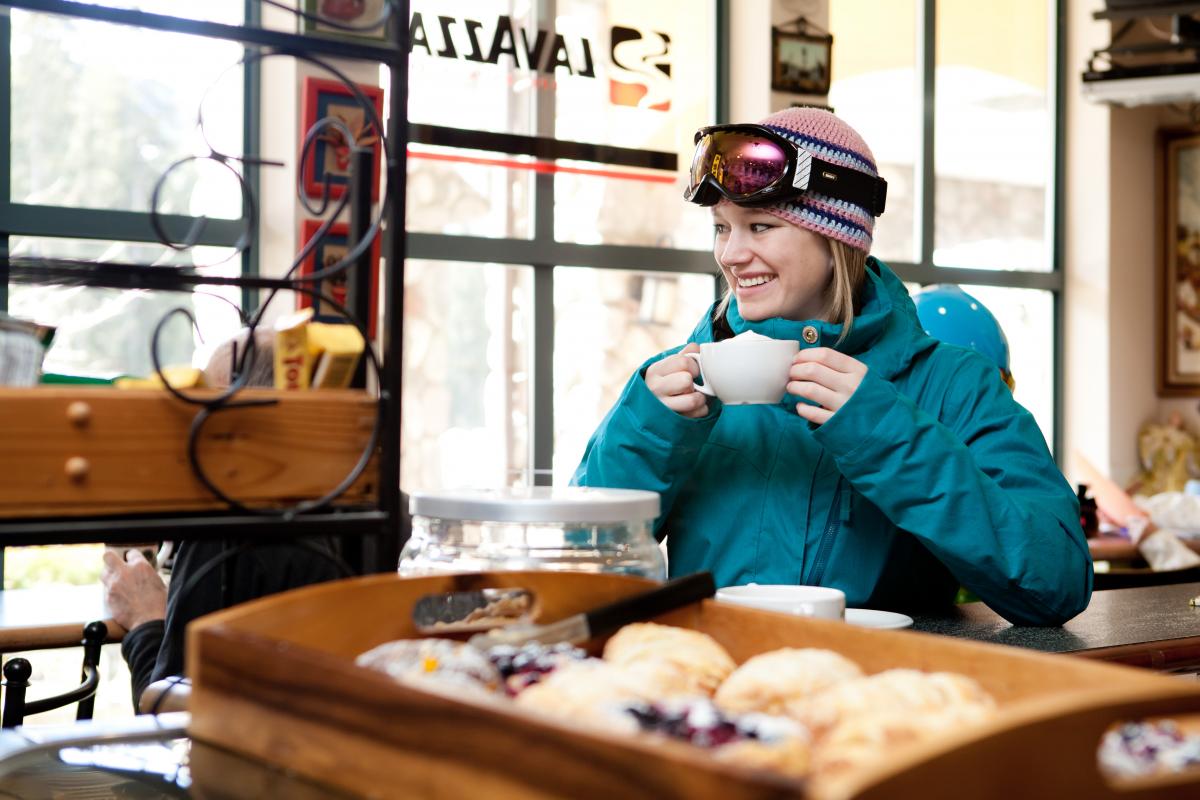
(876, 88)
(108, 331)
(466, 393)
(468, 193)
(450, 86)
(1027, 317)
(655, 69)
(637, 209)
(607, 322)
(122, 108)
(994, 135)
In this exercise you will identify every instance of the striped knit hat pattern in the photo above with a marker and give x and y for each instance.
(829, 138)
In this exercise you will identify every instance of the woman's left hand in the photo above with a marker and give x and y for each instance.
(826, 377)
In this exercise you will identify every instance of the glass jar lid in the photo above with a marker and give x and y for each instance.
(537, 504)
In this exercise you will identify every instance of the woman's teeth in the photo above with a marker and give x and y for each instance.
(759, 280)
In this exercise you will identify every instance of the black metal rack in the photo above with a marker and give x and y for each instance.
(379, 527)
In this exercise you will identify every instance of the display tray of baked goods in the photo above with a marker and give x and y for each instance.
(336, 682)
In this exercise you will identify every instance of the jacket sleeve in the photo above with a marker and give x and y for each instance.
(642, 444)
(140, 650)
(978, 488)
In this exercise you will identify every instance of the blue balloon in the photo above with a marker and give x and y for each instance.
(949, 314)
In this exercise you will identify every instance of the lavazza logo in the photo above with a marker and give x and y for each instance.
(638, 72)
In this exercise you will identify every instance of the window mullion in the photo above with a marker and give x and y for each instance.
(251, 143)
(5, 157)
(927, 48)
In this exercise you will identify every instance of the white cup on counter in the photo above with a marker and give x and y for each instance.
(806, 601)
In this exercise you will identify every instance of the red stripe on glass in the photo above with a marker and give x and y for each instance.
(542, 166)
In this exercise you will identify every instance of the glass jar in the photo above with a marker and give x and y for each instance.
(574, 528)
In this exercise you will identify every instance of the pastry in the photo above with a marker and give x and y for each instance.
(523, 666)
(790, 756)
(756, 741)
(435, 661)
(687, 662)
(896, 690)
(591, 692)
(768, 682)
(865, 738)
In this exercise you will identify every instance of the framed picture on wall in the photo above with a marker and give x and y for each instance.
(800, 61)
(341, 287)
(355, 13)
(330, 153)
(1179, 275)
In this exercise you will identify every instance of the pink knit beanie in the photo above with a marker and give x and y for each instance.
(825, 136)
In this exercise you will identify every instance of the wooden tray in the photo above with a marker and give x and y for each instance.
(98, 450)
(276, 679)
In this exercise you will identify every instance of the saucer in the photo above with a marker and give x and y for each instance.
(870, 618)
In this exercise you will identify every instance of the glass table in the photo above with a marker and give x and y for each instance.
(144, 758)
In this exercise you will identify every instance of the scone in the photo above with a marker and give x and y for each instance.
(791, 756)
(864, 738)
(768, 682)
(895, 690)
(591, 692)
(689, 662)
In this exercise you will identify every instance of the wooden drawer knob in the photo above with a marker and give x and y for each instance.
(77, 468)
(79, 413)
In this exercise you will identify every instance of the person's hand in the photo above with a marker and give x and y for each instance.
(134, 592)
(671, 381)
(826, 377)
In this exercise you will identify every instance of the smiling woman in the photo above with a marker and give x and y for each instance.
(895, 468)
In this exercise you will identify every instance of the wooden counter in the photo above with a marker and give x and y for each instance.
(1118, 548)
(1151, 627)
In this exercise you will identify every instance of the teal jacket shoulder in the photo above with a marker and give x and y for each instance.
(929, 477)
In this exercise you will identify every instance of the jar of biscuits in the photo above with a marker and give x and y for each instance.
(558, 528)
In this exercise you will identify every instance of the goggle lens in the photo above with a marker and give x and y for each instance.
(741, 163)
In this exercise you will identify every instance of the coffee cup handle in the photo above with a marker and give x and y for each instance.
(703, 389)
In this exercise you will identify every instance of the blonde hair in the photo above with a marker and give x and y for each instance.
(842, 302)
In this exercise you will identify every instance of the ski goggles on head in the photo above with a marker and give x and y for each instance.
(752, 165)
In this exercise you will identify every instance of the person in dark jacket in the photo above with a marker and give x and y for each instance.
(896, 467)
(155, 616)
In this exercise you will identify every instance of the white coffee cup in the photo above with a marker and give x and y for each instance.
(743, 371)
(806, 601)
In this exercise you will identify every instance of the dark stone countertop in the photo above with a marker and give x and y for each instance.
(1114, 618)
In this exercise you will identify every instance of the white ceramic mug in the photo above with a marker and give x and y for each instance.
(806, 601)
(740, 372)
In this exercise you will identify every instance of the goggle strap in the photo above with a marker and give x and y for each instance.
(844, 183)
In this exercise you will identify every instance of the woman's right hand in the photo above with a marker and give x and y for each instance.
(671, 380)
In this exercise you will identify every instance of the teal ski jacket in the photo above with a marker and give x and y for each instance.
(930, 476)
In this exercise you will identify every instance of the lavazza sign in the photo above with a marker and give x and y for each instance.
(636, 57)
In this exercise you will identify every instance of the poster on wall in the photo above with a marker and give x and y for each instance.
(1179, 276)
(329, 157)
(341, 288)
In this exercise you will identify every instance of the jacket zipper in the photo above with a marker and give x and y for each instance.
(838, 513)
